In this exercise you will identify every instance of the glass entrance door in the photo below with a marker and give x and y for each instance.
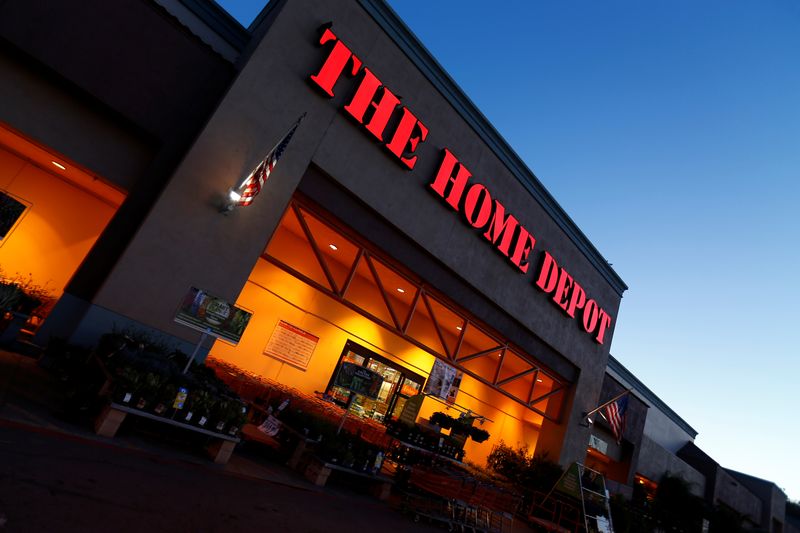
(398, 385)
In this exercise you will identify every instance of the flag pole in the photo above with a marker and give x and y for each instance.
(609, 402)
(280, 140)
(229, 203)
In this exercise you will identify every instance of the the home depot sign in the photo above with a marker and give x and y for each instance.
(374, 106)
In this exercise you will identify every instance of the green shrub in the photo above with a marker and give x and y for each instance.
(531, 472)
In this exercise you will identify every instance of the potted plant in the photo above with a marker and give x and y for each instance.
(478, 434)
(10, 294)
(165, 398)
(219, 415)
(442, 420)
(202, 403)
(237, 417)
(126, 384)
(12, 320)
(149, 389)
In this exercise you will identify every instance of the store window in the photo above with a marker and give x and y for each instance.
(11, 210)
(399, 384)
(644, 490)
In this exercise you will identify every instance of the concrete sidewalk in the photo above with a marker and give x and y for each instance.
(57, 475)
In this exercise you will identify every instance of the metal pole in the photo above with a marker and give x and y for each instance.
(296, 123)
(609, 402)
(196, 349)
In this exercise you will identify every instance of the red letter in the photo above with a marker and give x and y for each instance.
(404, 140)
(605, 321)
(501, 227)
(590, 316)
(577, 299)
(525, 243)
(562, 289)
(475, 194)
(365, 97)
(334, 65)
(548, 274)
(445, 176)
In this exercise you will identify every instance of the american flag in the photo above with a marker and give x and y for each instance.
(251, 186)
(615, 414)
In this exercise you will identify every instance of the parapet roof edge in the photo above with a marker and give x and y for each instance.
(649, 395)
(391, 23)
(752, 478)
(219, 20)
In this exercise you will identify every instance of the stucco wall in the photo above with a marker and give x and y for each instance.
(655, 461)
(735, 495)
(662, 430)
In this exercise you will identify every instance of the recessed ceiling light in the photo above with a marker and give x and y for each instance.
(459, 328)
(59, 165)
(538, 380)
(401, 291)
(333, 247)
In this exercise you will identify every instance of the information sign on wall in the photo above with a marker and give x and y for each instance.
(598, 444)
(291, 345)
(443, 381)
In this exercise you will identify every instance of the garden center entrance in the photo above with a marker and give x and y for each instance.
(51, 214)
(321, 296)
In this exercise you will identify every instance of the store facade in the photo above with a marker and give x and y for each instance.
(396, 231)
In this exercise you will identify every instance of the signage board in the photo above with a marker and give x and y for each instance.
(360, 380)
(443, 381)
(598, 444)
(212, 315)
(291, 345)
(570, 484)
(411, 409)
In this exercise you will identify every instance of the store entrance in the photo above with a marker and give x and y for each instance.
(398, 385)
(51, 213)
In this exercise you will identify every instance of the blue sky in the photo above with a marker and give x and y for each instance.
(670, 133)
